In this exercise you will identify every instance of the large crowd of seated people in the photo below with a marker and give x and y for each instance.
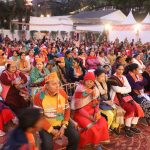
(112, 91)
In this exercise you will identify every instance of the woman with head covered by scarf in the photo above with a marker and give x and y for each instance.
(94, 128)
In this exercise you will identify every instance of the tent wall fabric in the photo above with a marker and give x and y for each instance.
(144, 36)
(58, 23)
(99, 17)
(143, 27)
(128, 29)
(115, 17)
(91, 21)
(95, 21)
(122, 35)
(98, 28)
(147, 19)
(129, 19)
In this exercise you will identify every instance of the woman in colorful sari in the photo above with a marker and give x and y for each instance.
(137, 83)
(36, 57)
(111, 57)
(114, 113)
(23, 64)
(82, 58)
(103, 59)
(92, 61)
(3, 59)
(61, 70)
(137, 60)
(14, 93)
(43, 53)
(68, 61)
(15, 56)
(38, 73)
(76, 72)
(94, 128)
(30, 57)
(118, 61)
(123, 57)
(120, 88)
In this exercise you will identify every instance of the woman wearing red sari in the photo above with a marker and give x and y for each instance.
(12, 81)
(6, 115)
(94, 128)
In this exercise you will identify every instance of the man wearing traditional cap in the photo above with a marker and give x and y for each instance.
(54, 102)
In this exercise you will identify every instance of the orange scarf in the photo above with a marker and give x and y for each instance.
(2, 61)
(78, 71)
(136, 77)
(31, 141)
(59, 107)
(23, 64)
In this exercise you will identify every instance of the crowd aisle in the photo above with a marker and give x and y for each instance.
(119, 143)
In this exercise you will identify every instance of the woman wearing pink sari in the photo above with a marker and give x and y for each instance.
(92, 62)
(94, 128)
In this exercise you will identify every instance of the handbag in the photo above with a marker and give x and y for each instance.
(127, 98)
(103, 105)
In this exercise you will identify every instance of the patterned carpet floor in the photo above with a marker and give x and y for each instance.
(138, 142)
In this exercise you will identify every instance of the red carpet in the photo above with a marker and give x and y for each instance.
(138, 142)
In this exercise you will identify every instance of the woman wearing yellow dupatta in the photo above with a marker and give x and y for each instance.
(114, 113)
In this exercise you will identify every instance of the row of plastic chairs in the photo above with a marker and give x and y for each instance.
(68, 88)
